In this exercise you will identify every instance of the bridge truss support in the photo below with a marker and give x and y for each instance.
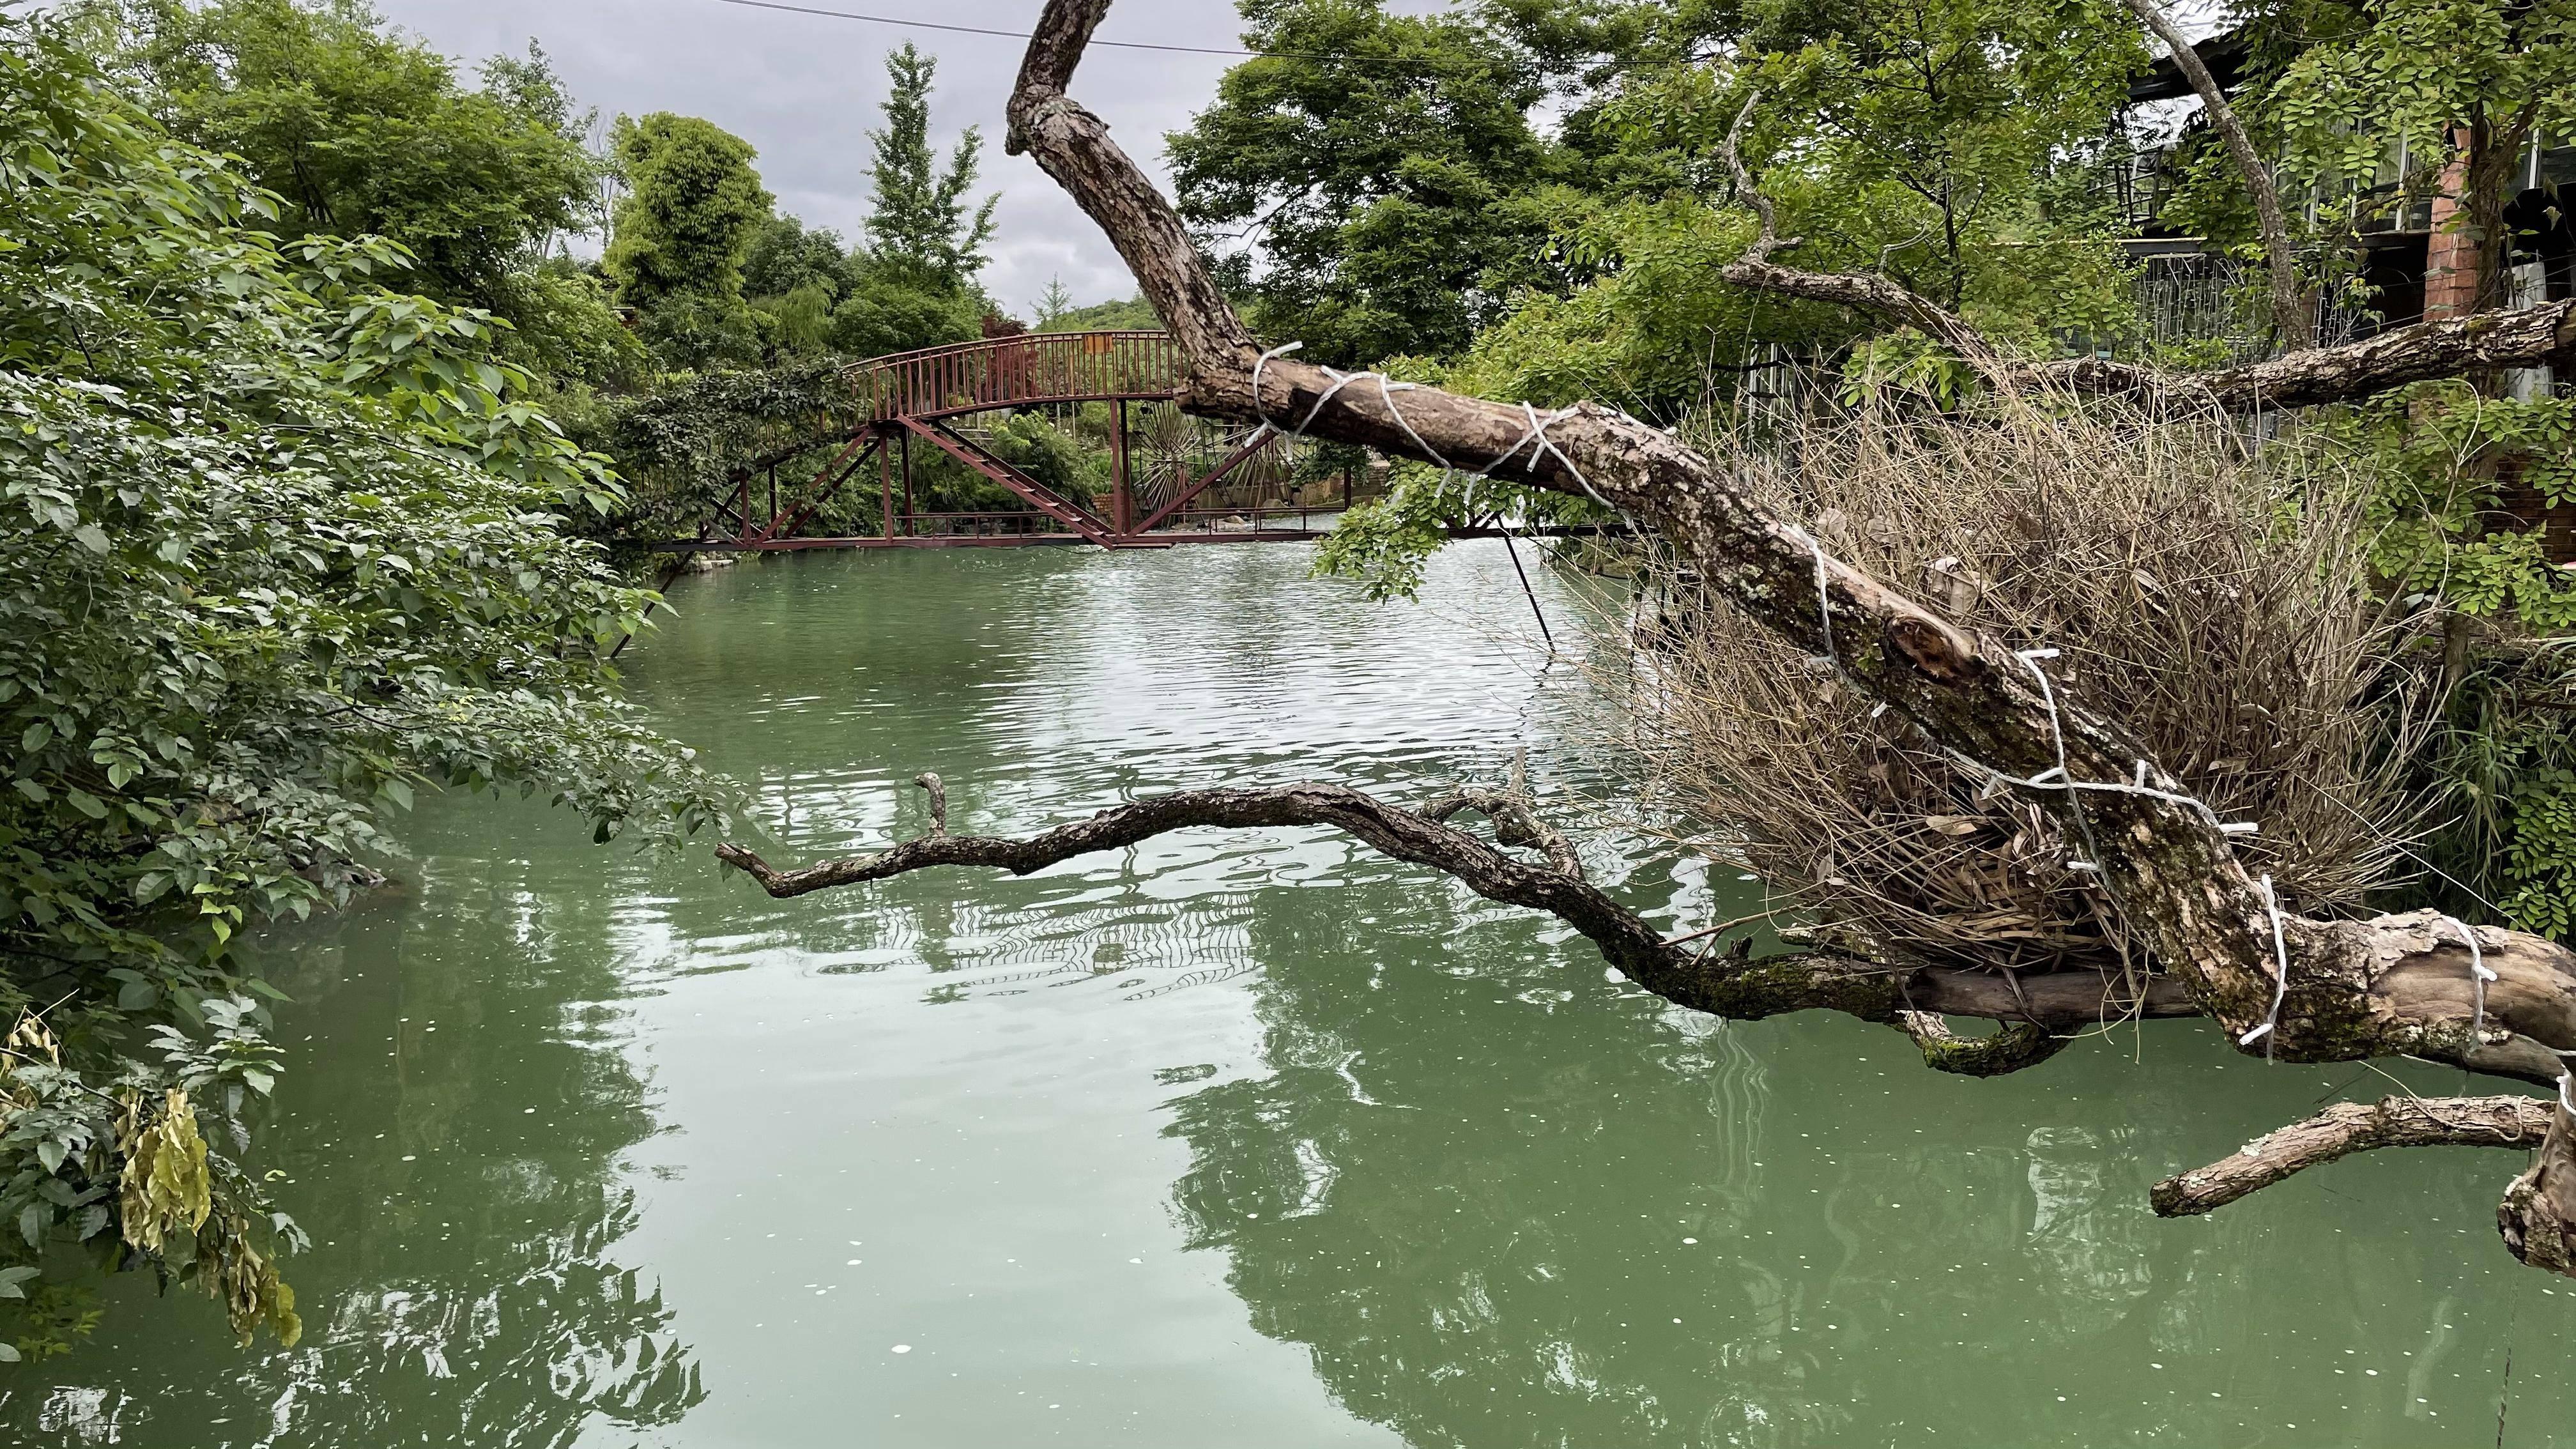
(920, 396)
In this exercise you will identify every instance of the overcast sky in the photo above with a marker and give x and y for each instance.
(804, 89)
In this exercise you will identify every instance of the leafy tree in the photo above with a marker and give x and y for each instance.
(785, 256)
(564, 330)
(284, 548)
(1939, 143)
(918, 224)
(2335, 87)
(1053, 303)
(888, 309)
(1373, 164)
(362, 130)
(693, 210)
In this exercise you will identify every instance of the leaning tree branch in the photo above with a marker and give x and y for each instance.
(2042, 1012)
(2340, 989)
(2354, 989)
(1767, 239)
(2290, 312)
(2304, 376)
(1862, 293)
(2312, 376)
(2349, 1127)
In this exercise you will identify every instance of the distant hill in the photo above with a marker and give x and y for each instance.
(1132, 315)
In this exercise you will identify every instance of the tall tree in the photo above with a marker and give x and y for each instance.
(1364, 175)
(918, 221)
(693, 209)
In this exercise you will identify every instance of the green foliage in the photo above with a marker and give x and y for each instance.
(563, 329)
(361, 130)
(786, 258)
(693, 209)
(678, 444)
(284, 548)
(2338, 90)
(2508, 761)
(1641, 335)
(1374, 160)
(1931, 143)
(1382, 544)
(890, 310)
(47, 1322)
(2438, 533)
(919, 227)
(2440, 451)
(718, 281)
(1133, 315)
(2366, 75)
(1042, 450)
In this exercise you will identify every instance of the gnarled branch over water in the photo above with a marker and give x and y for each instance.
(2355, 989)
(2349, 1127)
(2043, 1012)
(2282, 985)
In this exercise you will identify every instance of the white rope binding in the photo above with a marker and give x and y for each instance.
(1824, 598)
(2479, 976)
(2281, 978)
(1534, 438)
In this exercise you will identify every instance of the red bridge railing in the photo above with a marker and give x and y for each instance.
(1043, 367)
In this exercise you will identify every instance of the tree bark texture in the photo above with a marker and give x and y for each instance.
(2282, 985)
(2349, 1127)
(2042, 1010)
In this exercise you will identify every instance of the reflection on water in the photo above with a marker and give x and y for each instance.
(456, 1161)
(1227, 1139)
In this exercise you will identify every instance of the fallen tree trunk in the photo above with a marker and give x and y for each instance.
(2282, 985)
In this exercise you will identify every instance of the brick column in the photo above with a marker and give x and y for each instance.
(2451, 252)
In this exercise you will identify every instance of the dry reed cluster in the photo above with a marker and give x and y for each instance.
(2208, 591)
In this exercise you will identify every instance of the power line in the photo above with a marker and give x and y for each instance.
(902, 23)
(1005, 34)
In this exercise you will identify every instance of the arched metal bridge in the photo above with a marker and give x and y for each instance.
(914, 400)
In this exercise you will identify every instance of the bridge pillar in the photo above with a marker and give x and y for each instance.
(885, 482)
(1121, 512)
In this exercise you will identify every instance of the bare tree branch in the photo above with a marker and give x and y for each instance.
(1768, 240)
(2420, 352)
(2304, 376)
(2021, 1044)
(2043, 1010)
(2311, 376)
(1863, 293)
(2354, 989)
(2349, 1127)
(2538, 1215)
(2291, 315)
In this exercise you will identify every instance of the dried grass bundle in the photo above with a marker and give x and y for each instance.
(2211, 595)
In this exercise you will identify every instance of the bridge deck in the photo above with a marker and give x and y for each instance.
(913, 396)
(1034, 370)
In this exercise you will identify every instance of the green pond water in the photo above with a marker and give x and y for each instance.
(1242, 1140)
